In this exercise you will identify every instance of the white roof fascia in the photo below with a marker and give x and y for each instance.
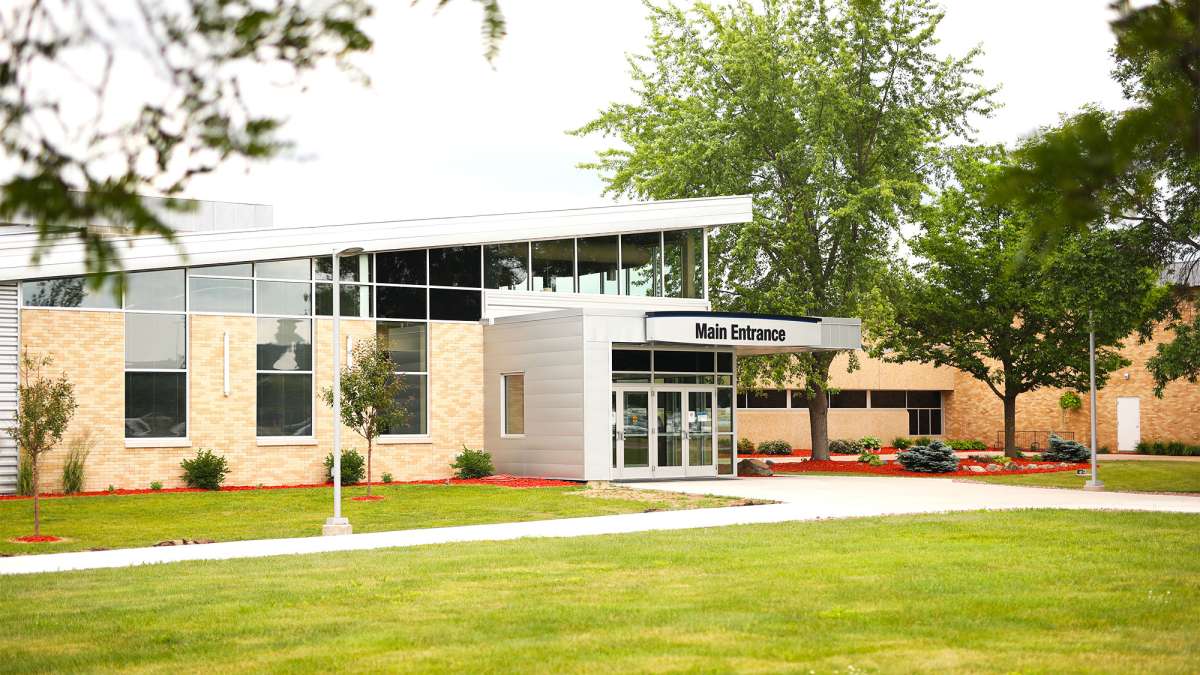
(210, 248)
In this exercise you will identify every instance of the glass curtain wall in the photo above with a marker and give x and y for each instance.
(554, 266)
(599, 258)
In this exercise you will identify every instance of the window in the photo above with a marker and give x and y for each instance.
(554, 265)
(513, 403)
(631, 359)
(155, 375)
(298, 269)
(160, 290)
(883, 398)
(407, 345)
(848, 398)
(799, 399)
(284, 297)
(724, 362)
(668, 361)
(70, 292)
(351, 268)
(226, 296)
(455, 266)
(925, 399)
(641, 273)
(401, 267)
(355, 301)
(766, 398)
(398, 302)
(925, 413)
(683, 266)
(284, 356)
(506, 266)
(454, 305)
(236, 270)
(598, 265)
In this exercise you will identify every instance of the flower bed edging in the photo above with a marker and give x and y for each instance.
(895, 469)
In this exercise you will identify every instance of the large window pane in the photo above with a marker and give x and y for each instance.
(451, 305)
(724, 362)
(222, 295)
(350, 268)
(683, 270)
(724, 454)
(356, 300)
(400, 267)
(848, 398)
(598, 265)
(161, 290)
(455, 266)
(235, 270)
(406, 345)
(282, 297)
(669, 361)
(70, 292)
(400, 303)
(767, 398)
(298, 268)
(506, 266)
(631, 359)
(413, 400)
(514, 403)
(799, 399)
(155, 405)
(924, 399)
(284, 344)
(887, 398)
(554, 265)
(155, 341)
(285, 404)
(724, 410)
(640, 264)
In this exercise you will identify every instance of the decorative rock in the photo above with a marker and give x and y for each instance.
(993, 467)
(974, 468)
(183, 542)
(754, 467)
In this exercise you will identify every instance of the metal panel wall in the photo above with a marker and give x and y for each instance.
(9, 347)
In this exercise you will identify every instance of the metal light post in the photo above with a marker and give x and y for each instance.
(1093, 482)
(336, 524)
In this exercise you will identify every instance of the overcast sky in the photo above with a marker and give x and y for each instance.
(440, 132)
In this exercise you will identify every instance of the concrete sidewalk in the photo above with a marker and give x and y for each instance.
(802, 498)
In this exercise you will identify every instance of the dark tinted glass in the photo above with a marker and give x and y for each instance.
(222, 295)
(400, 303)
(848, 398)
(450, 305)
(767, 398)
(554, 265)
(506, 266)
(631, 359)
(413, 400)
(935, 422)
(406, 345)
(298, 268)
(155, 341)
(284, 344)
(161, 290)
(683, 268)
(69, 292)
(356, 300)
(885, 398)
(799, 399)
(400, 267)
(598, 265)
(724, 362)
(350, 268)
(924, 399)
(683, 362)
(285, 405)
(283, 297)
(155, 405)
(454, 266)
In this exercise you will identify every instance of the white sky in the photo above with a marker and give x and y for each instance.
(440, 132)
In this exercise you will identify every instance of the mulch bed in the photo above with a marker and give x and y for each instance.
(40, 539)
(502, 480)
(895, 469)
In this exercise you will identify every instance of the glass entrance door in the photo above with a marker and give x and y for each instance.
(663, 432)
(632, 434)
(669, 439)
(700, 434)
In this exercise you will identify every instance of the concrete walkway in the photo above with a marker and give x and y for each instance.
(802, 497)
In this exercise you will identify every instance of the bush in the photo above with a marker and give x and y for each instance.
(922, 440)
(73, 467)
(966, 444)
(1070, 401)
(901, 443)
(1176, 448)
(354, 467)
(1066, 451)
(775, 447)
(871, 443)
(472, 464)
(205, 471)
(156, 485)
(387, 477)
(745, 446)
(24, 476)
(936, 457)
(844, 446)
(868, 457)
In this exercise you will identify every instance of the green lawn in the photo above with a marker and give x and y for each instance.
(1028, 591)
(1119, 475)
(143, 520)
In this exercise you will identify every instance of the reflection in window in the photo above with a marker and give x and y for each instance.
(506, 266)
(355, 302)
(155, 405)
(640, 264)
(282, 297)
(284, 377)
(235, 270)
(554, 265)
(455, 266)
(683, 270)
(400, 267)
(235, 296)
(285, 344)
(155, 341)
(598, 265)
(158, 290)
(298, 268)
(350, 268)
(70, 292)
(407, 346)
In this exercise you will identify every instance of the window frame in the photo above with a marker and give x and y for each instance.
(183, 441)
(312, 382)
(504, 432)
(425, 437)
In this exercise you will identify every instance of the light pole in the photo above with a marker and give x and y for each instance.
(1093, 482)
(336, 524)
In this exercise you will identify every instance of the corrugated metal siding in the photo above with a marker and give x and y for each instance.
(9, 346)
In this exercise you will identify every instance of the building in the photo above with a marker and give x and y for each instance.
(574, 344)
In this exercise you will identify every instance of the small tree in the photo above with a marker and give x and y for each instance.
(45, 407)
(370, 394)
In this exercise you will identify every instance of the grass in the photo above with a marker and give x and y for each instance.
(1022, 591)
(1123, 476)
(143, 520)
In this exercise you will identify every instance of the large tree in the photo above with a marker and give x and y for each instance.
(979, 302)
(80, 149)
(1138, 168)
(832, 114)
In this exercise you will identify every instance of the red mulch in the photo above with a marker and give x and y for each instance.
(502, 480)
(40, 539)
(894, 469)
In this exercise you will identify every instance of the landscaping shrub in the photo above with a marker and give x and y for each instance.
(922, 440)
(745, 446)
(1066, 451)
(966, 444)
(354, 467)
(843, 446)
(936, 457)
(1070, 401)
(901, 443)
(1176, 448)
(73, 468)
(473, 464)
(868, 457)
(387, 477)
(871, 443)
(775, 447)
(24, 476)
(156, 485)
(205, 471)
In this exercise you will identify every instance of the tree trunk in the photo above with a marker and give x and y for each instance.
(1010, 425)
(370, 447)
(818, 422)
(37, 514)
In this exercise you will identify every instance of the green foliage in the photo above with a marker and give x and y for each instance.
(1066, 451)
(921, 440)
(1175, 448)
(206, 470)
(845, 446)
(745, 446)
(156, 485)
(902, 443)
(775, 447)
(966, 444)
(73, 471)
(45, 405)
(387, 477)
(24, 476)
(871, 443)
(353, 467)
(830, 114)
(936, 457)
(1070, 401)
(1178, 359)
(868, 457)
(473, 464)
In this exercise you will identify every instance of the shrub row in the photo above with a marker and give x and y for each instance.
(1177, 448)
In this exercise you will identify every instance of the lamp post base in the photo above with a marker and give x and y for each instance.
(335, 526)
(1094, 486)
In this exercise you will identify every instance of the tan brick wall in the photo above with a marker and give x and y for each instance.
(228, 423)
(792, 426)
